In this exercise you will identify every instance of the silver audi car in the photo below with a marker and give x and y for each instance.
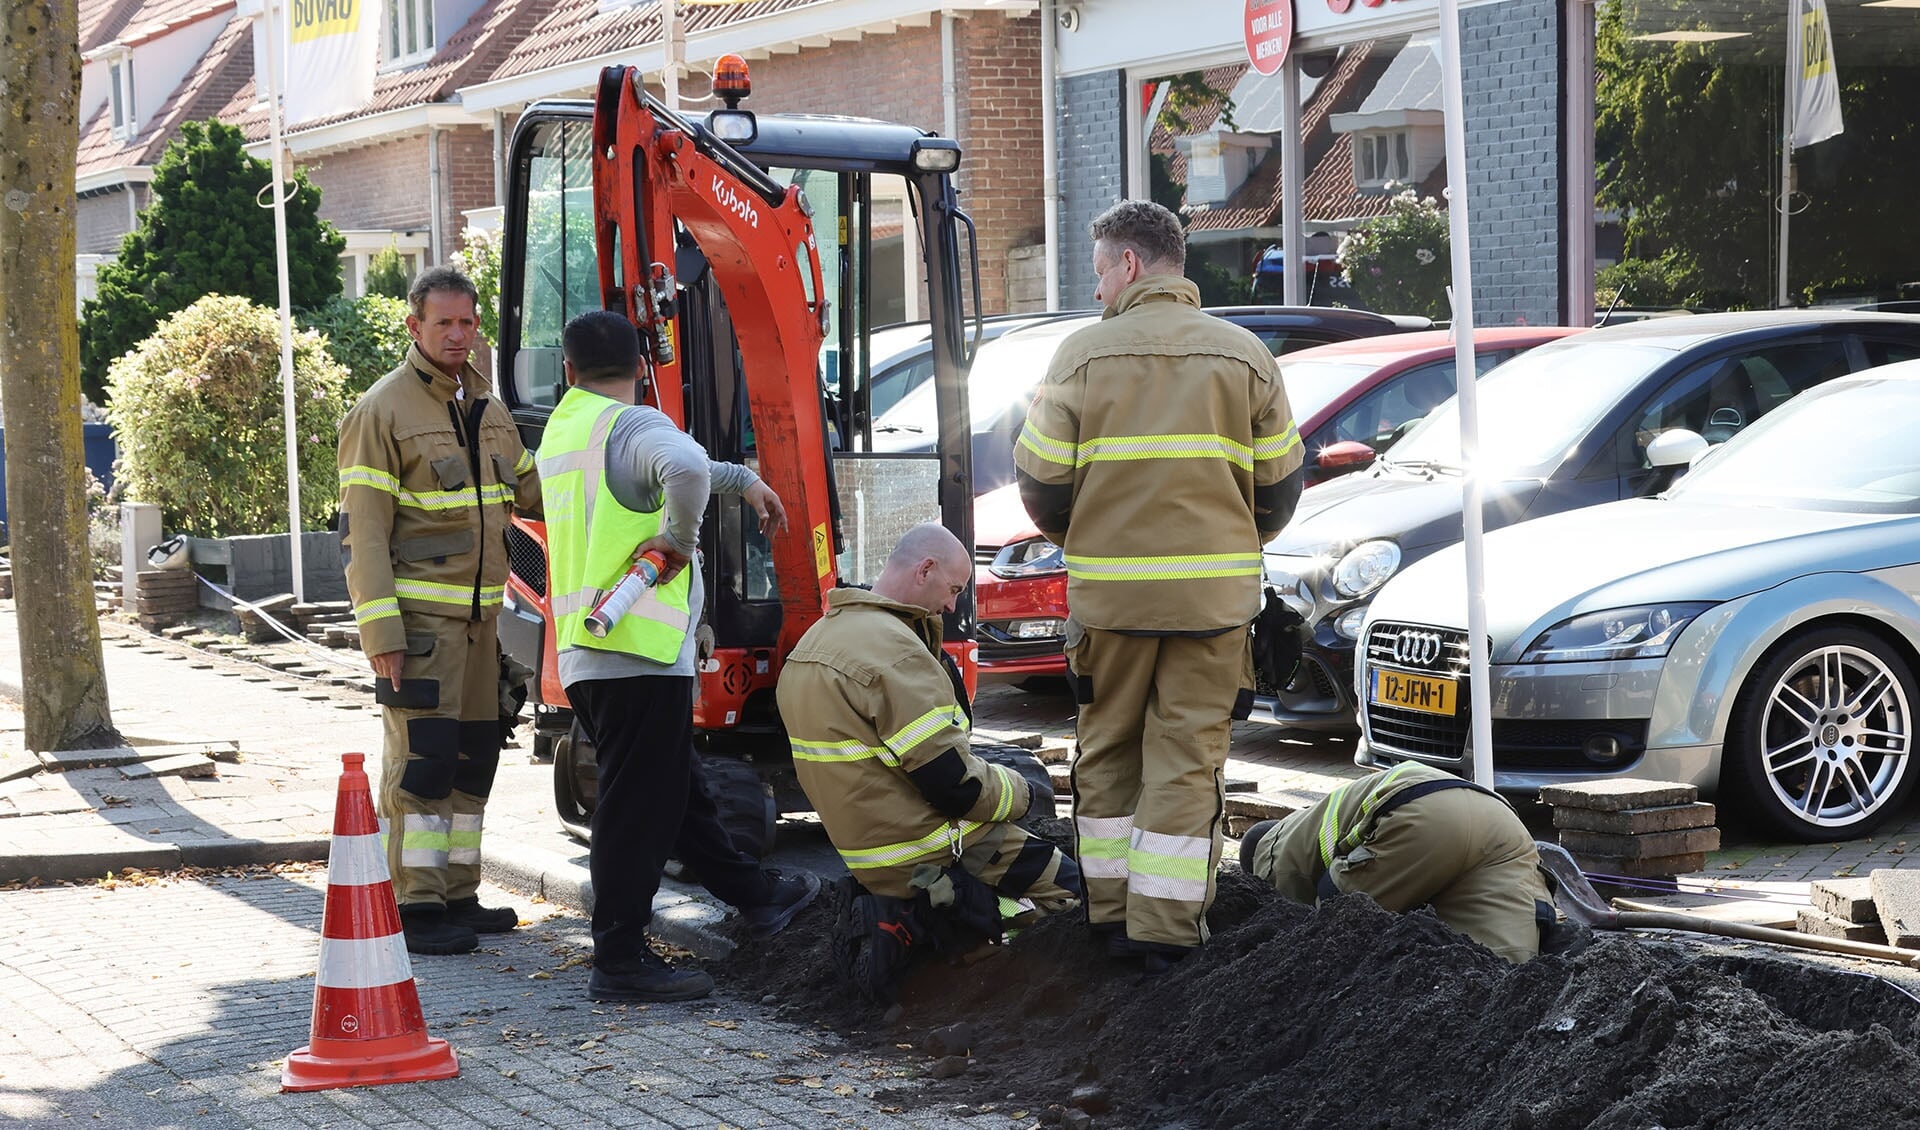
(1754, 630)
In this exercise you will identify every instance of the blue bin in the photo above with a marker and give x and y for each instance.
(99, 452)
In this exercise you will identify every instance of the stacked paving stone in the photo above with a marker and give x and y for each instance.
(1842, 908)
(1636, 829)
(255, 628)
(164, 596)
(317, 618)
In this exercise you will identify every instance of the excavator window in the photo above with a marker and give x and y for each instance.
(562, 271)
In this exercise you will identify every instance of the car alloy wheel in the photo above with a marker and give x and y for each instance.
(1824, 736)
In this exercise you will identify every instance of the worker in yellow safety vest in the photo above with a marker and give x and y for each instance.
(1160, 453)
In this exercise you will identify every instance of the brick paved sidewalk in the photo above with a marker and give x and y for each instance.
(191, 993)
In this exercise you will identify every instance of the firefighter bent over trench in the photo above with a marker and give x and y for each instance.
(431, 466)
(878, 727)
(1416, 836)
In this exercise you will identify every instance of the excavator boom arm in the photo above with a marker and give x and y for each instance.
(653, 169)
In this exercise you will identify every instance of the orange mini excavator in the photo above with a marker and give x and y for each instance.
(756, 255)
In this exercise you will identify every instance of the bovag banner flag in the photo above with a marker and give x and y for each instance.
(333, 48)
(1816, 94)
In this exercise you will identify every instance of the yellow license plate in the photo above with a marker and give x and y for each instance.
(1414, 692)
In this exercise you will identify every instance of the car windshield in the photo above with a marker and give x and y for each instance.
(1845, 446)
(1534, 407)
(1312, 385)
(1005, 371)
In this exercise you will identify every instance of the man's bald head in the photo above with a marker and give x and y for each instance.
(929, 569)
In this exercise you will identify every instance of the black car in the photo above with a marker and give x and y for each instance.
(1006, 371)
(1563, 426)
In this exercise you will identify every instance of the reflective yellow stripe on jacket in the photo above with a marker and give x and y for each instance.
(1174, 567)
(947, 839)
(1331, 843)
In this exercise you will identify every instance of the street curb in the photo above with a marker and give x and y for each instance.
(69, 866)
(683, 916)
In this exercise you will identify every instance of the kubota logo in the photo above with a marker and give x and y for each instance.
(730, 201)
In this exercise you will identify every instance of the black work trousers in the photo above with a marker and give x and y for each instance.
(654, 805)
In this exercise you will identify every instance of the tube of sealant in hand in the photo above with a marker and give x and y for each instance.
(644, 574)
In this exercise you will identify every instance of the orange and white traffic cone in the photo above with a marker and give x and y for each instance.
(367, 1025)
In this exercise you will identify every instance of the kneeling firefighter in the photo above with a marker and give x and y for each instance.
(1416, 836)
(879, 736)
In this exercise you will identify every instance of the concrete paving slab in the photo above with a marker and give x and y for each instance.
(1813, 922)
(89, 854)
(179, 765)
(1654, 867)
(1754, 912)
(61, 760)
(1896, 896)
(1847, 899)
(1635, 821)
(1652, 844)
(1614, 795)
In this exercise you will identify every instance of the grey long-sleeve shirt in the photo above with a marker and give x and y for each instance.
(651, 461)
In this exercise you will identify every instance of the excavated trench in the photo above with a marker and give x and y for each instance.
(1353, 1017)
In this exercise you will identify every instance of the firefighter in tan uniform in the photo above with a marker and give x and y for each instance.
(1160, 453)
(1414, 836)
(879, 738)
(431, 467)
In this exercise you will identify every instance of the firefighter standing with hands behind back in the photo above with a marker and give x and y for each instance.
(431, 467)
(1160, 453)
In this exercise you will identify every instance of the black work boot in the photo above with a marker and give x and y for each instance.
(646, 977)
(872, 944)
(1250, 842)
(791, 895)
(428, 930)
(1111, 937)
(481, 919)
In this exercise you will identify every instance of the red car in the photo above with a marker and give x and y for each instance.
(1352, 399)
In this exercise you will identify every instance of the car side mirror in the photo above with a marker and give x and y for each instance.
(1343, 457)
(1675, 447)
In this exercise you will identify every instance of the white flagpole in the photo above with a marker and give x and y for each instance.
(1479, 692)
(274, 46)
(1786, 142)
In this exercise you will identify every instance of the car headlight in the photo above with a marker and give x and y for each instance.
(1348, 624)
(1643, 632)
(1035, 557)
(1365, 568)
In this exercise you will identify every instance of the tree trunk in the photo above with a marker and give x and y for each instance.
(63, 675)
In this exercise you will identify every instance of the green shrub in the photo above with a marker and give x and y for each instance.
(1399, 263)
(205, 233)
(387, 274)
(198, 414)
(368, 335)
(479, 257)
(1645, 282)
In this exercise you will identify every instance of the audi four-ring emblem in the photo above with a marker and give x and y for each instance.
(1417, 649)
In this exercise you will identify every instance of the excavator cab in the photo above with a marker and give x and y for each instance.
(885, 246)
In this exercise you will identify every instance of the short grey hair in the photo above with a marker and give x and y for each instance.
(442, 278)
(1153, 233)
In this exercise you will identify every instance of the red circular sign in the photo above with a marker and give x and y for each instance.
(1269, 34)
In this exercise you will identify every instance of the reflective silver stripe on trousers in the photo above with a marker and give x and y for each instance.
(469, 824)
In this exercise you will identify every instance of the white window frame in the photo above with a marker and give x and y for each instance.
(123, 114)
(414, 20)
(1381, 156)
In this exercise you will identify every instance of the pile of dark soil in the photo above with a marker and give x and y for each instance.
(1350, 1016)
